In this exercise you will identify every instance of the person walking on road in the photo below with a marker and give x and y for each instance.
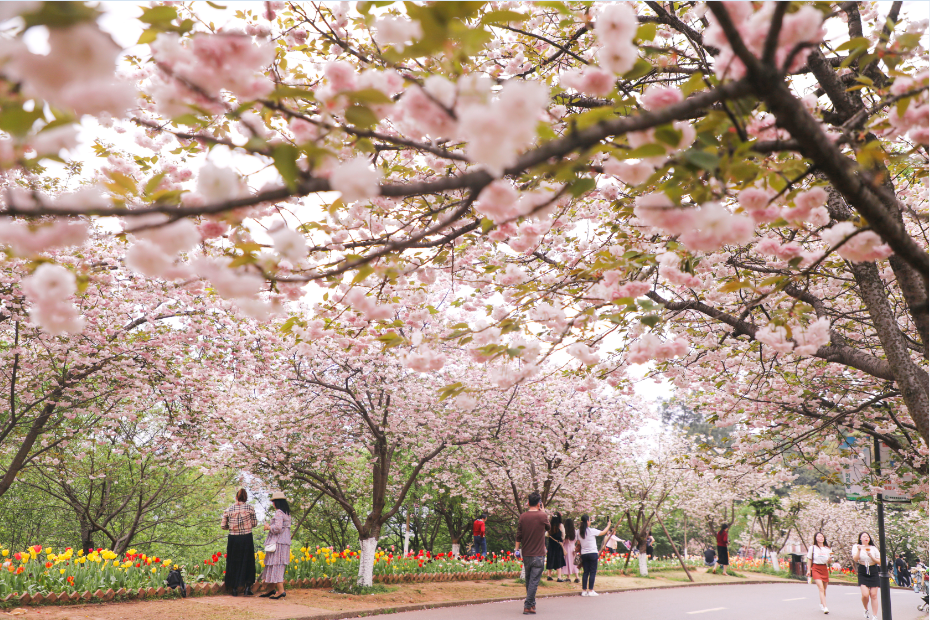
(866, 555)
(903, 571)
(587, 535)
(818, 570)
(277, 547)
(531, 536)
(723, 550)
(479, 536)
(555, 554)
(568, 546)
(239, 519)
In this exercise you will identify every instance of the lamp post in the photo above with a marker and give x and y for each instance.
(883, 572)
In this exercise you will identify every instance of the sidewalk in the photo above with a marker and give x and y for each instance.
(321, 604)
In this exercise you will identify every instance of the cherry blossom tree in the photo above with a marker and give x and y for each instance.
(558, 442)
(341, 418)
(734, 192)
(142, 344)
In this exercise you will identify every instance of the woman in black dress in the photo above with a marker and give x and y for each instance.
(555, 554)
(866, 555)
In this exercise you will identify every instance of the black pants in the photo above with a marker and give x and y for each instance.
(588, 570)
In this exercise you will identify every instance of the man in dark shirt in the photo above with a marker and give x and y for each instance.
(710, 559)
(531, 545)
(903, 570)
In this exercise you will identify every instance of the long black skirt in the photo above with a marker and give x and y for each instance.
(723, 555)
(240, 561)
(555, 555)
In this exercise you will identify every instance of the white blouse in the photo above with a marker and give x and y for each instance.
(868, 554)
(819, 555)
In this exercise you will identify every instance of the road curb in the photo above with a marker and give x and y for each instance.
(341, 615)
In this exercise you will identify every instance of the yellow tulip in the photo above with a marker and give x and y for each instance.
(154, 569)
(61, 570)
(6, 552)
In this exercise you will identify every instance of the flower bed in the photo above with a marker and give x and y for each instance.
(39, 570)
(39, 575)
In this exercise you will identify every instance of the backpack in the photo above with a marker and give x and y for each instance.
(176, 580)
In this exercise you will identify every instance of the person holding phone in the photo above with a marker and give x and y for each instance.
(587, 535)
(866, 555)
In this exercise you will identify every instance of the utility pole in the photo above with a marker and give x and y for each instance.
(883, 573)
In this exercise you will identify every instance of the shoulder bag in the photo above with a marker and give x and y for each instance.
(270, 547)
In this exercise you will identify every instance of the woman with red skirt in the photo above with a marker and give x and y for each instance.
(818, 570)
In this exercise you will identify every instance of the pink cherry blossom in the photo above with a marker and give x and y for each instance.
(863, 247)
(497, 201)
(631, 174)
(355, 179)
(50, 289)
(590, 81)
(657, 97)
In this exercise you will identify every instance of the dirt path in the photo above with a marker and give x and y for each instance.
(320, 603)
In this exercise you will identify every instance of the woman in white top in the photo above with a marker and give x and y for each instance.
(818, 570)
(587, 537)
(866, 555)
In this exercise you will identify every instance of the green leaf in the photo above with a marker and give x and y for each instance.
(159, 15)
(285, 160)
(668, 134)
(702, 159)
(641, 68)
(854, 43)
(370, 96)
(734, 285)
(283, 91)
(694, 84)
(486, 225)
(362, 272)
(17, 121)
(215, 5)
(148, 35)
(60, 14)
(581, 186)
(646, 32)
(153, 184)
(646, 150)
(650, 319)
(360, 116)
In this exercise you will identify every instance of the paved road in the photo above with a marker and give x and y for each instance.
(774, 601)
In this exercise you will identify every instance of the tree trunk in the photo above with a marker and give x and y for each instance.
(643, 563)
(456, 549)
(773, 559)
(366, 565)
(674, 548)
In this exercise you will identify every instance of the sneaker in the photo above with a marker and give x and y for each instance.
(584, 593)
(577, 581)
(867, 615)
(825, 610)
(592, 593)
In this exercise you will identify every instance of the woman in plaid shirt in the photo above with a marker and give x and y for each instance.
(239, 519)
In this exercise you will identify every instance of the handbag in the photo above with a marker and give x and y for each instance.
(577, 560)
(270, 547)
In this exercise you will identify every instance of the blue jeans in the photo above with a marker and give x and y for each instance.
(481, 545)
(533, 567)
